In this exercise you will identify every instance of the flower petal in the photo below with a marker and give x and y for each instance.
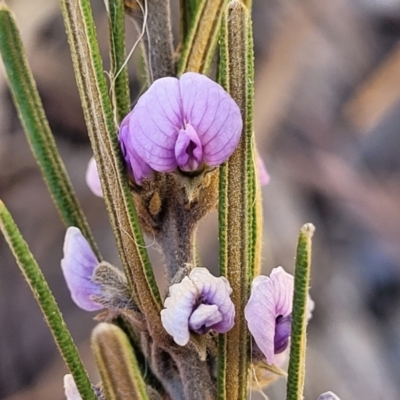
(178, 308)
(70, 389)
(188, 149)
(213, 114)
(283, 328)
(204, 317)
(136, 166)
(328, 396)
(217, 291)
(271, 301)
(260, 315)
(283, 284)
(270, 297)
(199, 302)
(78, 265)
(92, 178)
(155, 122)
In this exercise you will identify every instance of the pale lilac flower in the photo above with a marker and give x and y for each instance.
(268, 312)
(328, 396)
(92, 178)
(180, 123)
(78, 265)
(198, 303)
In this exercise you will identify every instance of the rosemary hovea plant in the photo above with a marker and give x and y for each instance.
(184, 149)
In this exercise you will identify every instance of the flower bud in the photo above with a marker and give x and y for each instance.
(78, 265)
(92, 178)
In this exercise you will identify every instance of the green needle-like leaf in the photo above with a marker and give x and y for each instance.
(47, 303)
(119, 70)
(199, 46)
(296, 370)
(188, 9)
(237, 199)
(103, 136)
(32, 116)
(119, 369)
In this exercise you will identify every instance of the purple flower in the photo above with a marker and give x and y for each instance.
(268, 312)
(328, 396)
(78, 265)
(198, 303)
(92, 178)
(180, 123)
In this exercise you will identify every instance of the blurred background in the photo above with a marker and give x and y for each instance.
(327, 123)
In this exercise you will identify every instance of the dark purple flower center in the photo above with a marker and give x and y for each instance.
(283, 327)
(188, 149)
(193, 163)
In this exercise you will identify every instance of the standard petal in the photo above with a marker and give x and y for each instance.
(136, 166)
(328, 396)
(178, 308)
(283, 284)
(216, 291)
(260, 315)
(92, 178)
(283, 290)
(213, 114)
(78, 265)
(155, 122)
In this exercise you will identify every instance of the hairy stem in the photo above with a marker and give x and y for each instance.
(154, 17)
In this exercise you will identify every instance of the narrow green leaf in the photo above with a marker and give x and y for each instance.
(119, 369)
(103, 136)
(119, 70)
(188, 9)
(37, 130)
(47, 303)
(237, 206)
(199, 47)
(296, 370)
